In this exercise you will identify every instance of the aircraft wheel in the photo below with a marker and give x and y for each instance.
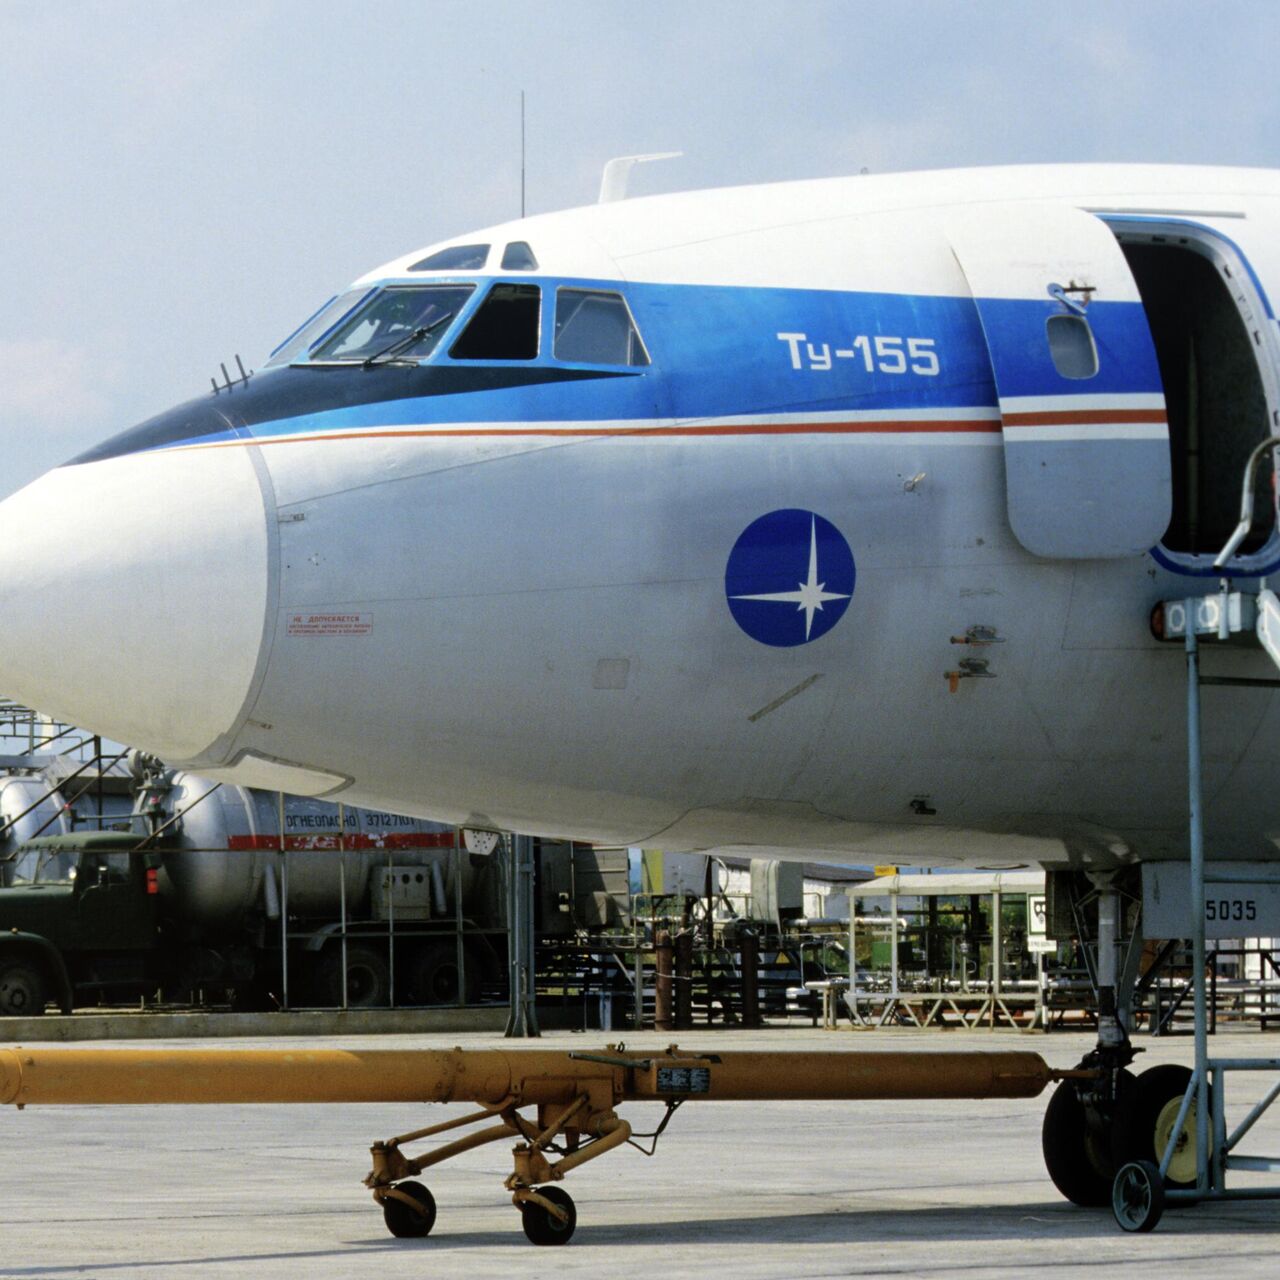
(1137, 1196)
(540, 1226)
(408, 1221)
(1145, 1123)
(1077, 1156)
(22, 993)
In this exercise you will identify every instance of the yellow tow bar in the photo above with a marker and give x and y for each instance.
(572, 1097)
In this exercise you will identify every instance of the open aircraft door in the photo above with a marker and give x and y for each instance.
(1086, 439)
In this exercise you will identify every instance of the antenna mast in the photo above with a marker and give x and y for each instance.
(522, 153)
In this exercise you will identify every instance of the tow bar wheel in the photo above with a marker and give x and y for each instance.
(409, 1210)
(1137, 1196)
(543, 1227)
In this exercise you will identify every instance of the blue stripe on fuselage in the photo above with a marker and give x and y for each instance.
(716, 353)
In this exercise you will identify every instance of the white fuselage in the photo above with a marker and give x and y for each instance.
(458, 590)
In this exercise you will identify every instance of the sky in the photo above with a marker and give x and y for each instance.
(185, 182)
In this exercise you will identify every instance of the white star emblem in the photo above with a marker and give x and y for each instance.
(809, 596)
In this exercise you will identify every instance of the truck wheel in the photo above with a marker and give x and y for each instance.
(22, 993)
(433, 975)
(368, 978)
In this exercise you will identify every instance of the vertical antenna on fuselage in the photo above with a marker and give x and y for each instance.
(522, 153)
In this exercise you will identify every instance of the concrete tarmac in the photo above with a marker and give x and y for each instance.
(791, 1189)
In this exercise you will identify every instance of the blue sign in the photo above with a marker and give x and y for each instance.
(789, 578)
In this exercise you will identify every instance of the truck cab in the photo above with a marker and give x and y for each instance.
(78, 922)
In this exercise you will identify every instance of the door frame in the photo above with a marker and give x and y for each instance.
(1246, 290)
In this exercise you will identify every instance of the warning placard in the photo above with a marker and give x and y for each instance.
(330, 624)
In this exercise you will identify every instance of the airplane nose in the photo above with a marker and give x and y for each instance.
(133, 593)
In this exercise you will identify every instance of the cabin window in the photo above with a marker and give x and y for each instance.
(458, 257)
(518, 256)
(505, 327)
(402, 323)
(595, 327)
(302, 339)
(1071, 344)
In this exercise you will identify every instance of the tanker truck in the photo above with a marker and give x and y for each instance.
(233, 894)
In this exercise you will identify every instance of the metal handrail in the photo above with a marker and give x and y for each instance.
(1246, 502)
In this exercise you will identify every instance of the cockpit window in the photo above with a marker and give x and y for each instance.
(595, 327)
(505, 326)
(518, 256)
(458, 257)
(312, 330)
(402, 323)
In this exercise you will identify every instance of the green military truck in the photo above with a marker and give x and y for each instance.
(80, 922)
(93, 918)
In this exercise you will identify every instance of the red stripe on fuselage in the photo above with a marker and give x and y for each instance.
(879, 426)
(894, 426)
(1075, 417)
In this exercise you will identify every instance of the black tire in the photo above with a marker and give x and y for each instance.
(1144, 1123)
(1137, 1198)
(405, 1221)
(540, 1226)
(1078, 1157)
(22, 990)
(368, 977)
(433, 975)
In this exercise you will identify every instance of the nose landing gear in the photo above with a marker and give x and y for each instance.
(1077, 1137)
(1087, 1111)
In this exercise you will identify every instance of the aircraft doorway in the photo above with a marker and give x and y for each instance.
(1216, 363)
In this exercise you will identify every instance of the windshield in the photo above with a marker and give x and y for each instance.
(415, 316)
(300, 340)
(44, 866)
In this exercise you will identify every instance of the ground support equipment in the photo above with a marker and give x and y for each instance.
(1192, 1152)
(549, 1103)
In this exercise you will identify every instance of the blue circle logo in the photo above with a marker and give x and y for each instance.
(789, 578)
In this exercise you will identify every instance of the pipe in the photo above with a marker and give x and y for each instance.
(78, 1077)
(270, 893)
(682, 997)
(876, 1076)
(663, 952)
(439, 899)
(1195, 804)
(1110, 1031)
(613, 1134)
(495, 1133)
(749, 944)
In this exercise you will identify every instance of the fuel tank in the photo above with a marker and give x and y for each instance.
(46, 802)
(238, 850)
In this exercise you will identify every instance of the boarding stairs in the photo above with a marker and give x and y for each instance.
(1140, 1190)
